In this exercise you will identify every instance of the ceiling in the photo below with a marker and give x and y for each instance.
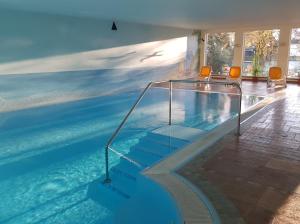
(198, 14)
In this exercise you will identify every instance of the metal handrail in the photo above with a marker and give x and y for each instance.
(107, 179)
(117, 131)
(220, 83)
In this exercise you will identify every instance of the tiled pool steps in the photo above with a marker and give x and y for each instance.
(126, 176)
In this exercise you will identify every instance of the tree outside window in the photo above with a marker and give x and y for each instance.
(261, 52)
(219, 52)
(294, 59)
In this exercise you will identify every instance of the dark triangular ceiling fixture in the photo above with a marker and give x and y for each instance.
(114, 27)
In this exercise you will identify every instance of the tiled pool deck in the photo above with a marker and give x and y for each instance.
(256, 178)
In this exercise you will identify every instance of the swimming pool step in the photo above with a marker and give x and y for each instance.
(166, 138)
(122, 184)
(127, 169)
(150, 149)
(179, 133)
(171, 143)
(143, 158)
(107, 194)
(154, 142)
(118, 190)
(153, 150)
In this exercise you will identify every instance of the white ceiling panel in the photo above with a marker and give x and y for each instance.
(201, 14)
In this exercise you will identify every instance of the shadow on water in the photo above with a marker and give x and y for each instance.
(53, 200)
(45, 159)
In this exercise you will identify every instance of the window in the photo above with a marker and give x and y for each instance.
(260, 52)
(219, 52)
(294, 57)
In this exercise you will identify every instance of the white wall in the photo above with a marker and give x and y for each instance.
(33, 35)
(47, 59)
(205, 14)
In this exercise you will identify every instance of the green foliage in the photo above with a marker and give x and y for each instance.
(256, 69)
(219, 51)
(265, 44)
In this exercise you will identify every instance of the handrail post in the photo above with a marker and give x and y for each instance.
(240, 111)
(116, 132)
(239, 118)
(238, 130)
(170, 102)
(107, 178)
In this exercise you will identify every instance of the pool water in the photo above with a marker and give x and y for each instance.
(52, 157)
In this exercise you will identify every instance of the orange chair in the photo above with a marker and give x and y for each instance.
(276, 77)
(234, 74)
(205, 72)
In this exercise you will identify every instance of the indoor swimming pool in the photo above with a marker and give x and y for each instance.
(52, 157)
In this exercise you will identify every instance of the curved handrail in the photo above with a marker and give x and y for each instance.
(116, 132)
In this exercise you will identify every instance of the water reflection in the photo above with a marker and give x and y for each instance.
(207, 109)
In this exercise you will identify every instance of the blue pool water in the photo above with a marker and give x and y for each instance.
(52, 157)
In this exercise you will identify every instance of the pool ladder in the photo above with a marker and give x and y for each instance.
(170, 82)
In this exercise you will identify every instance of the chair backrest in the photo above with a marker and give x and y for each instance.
(205, 71)
(235, 72)
(275, 73)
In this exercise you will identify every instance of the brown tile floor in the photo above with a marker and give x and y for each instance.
(256, 178)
